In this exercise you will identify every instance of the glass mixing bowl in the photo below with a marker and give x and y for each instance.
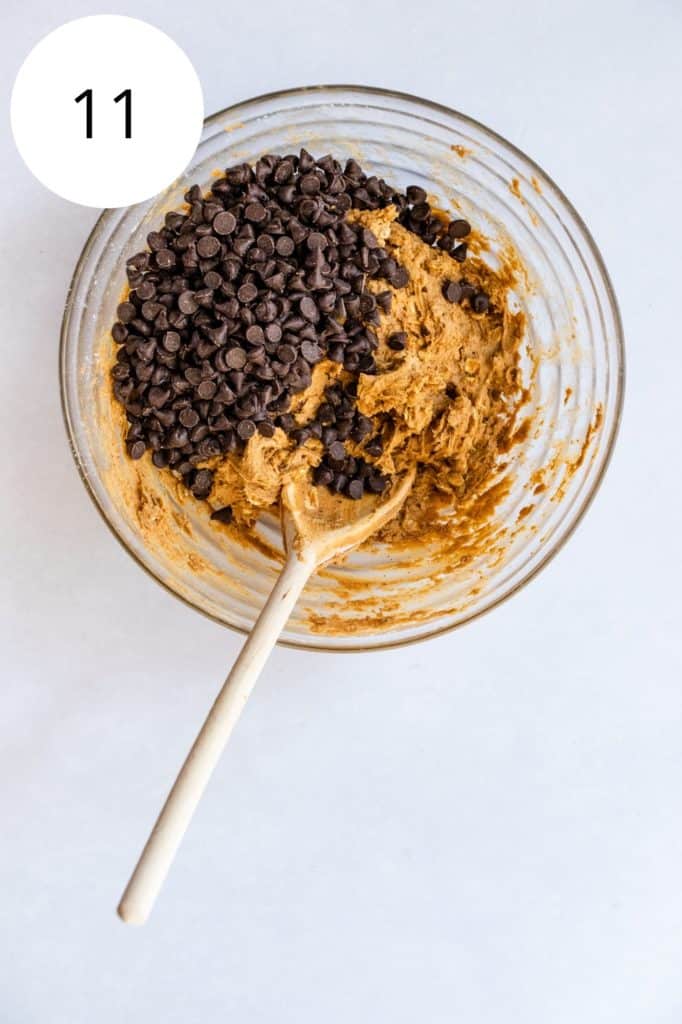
(573, 366)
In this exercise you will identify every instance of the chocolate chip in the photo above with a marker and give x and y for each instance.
(247, 292)
(325, 413)
(309, 210)
(178, 438)
(273, 333)
(255, 212)
(311, 352)
(480, 302)
(323, 475)
(137, 449)
(146, 290)
(246, 429)
(223, 515)
(202, 483)
(362, 428)
(236, 358)
(459, 253)
(208, 247)
(316, 241)
(158, 397)
(399, 278)
(207, 389)
(237, 380)
(420, 211)
(459, 228)
(186, 303)
(284, 171)
(337, 451)
(255, 334)
(301, 435)
(286, 354)
(146, 351)
(126, 312)
(415, 194)
(376, 483)
(225, 223)
(285, 245)
(309, 310)
(120, 371)
(356, 489)
(384, 301)
(155, 240)
(309, 184)
(166, 417)
(165, 259)
(286, 194)
(188, 417)
(452, 291)
(397, 341)
(171, 341)
(467, 290)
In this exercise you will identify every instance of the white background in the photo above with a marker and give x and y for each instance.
(484, 828)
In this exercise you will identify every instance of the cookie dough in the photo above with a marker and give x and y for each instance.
(448, 401)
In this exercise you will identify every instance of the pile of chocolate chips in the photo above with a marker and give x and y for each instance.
(236, 300)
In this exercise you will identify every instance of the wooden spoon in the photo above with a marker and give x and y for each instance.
(317, 527)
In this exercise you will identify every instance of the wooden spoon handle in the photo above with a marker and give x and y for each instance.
(157, 856)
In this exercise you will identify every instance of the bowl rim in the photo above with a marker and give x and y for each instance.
(233, 111)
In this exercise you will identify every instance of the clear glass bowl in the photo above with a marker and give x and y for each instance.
(378, 598)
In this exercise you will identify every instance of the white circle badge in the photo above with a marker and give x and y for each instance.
(107, 111)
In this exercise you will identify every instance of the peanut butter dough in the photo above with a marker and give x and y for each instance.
(448, 401)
